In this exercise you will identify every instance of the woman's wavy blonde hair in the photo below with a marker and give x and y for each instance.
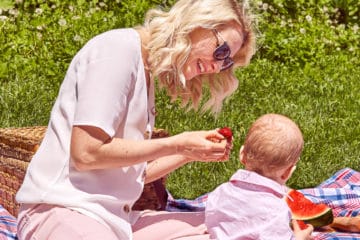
(170, 46)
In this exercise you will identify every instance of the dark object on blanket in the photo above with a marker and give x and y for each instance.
(346, 224)
(18, 145)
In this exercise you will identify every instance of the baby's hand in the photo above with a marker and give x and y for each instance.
(302, 231)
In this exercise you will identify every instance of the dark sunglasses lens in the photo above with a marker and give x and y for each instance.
(222, 52)
(228, 62)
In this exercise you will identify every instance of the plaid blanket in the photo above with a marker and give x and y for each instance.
(7, 225)
(341, 192)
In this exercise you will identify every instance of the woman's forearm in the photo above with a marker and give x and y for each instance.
(163, 166)
(92, 149)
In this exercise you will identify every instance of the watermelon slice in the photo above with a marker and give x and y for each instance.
(303, 209)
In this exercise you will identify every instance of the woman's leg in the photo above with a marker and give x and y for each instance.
(52, 222)
(155, 225)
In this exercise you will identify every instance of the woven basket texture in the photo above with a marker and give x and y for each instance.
(18, 145)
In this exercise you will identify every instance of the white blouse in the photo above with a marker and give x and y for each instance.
(105, 86)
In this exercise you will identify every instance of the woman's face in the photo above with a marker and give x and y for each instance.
(203, 44)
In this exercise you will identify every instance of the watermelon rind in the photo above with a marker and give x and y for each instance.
(320, 220)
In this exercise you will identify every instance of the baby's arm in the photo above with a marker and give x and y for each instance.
(300, 234)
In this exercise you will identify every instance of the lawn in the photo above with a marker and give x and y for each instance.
(307, 67)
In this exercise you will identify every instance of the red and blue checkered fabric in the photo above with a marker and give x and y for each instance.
(7, 225)
(341, 192)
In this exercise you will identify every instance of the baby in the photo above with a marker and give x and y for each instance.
(251, 205)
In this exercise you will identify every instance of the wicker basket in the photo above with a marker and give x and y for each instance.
(18, 145)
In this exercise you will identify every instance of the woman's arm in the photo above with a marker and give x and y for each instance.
(163, 166)
(91, 148)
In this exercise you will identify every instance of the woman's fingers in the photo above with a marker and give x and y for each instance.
(205, 146)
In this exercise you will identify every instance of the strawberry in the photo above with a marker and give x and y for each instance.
(227, 133)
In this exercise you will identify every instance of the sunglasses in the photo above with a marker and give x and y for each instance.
(222, 52)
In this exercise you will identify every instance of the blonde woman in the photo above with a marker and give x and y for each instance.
(92, 164)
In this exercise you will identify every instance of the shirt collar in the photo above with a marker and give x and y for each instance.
(256, 182)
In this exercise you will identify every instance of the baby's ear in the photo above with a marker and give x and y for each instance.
(292, 170)
(242, 155)
(288, 172)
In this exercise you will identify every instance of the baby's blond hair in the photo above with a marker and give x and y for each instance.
(274, 142)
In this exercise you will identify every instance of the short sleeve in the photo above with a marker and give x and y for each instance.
(106, 72)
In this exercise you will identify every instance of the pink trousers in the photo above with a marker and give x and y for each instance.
(154, 225)
(42, 221)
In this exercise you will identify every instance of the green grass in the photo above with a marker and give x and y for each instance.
(327, 112)
(307, 67)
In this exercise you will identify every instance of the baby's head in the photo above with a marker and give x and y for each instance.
(272, 147)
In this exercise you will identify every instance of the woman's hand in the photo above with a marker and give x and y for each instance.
(205, 146)
(302, 234)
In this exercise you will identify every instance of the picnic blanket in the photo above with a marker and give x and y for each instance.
(7, 225)
(341, 192)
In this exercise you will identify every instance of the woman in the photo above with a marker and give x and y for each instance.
(92, 163)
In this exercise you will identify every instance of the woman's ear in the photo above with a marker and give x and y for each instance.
(242, 155)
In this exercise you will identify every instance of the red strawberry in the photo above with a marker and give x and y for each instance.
(226, 132)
